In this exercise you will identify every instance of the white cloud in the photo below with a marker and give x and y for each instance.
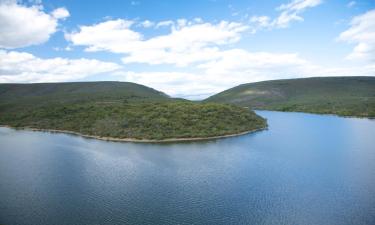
(239, 60)
(299, 5)
(231, 67)
(288, 13)
(60, 13)
(261, 21)
(199, 44)
(181, 58)
(176, 84)
(365, 70)
(24, 67)
(165, 23)
(147, 24)
(22, 26)
(234, 67)
(188, 41)
(361, 33)
(113, 35)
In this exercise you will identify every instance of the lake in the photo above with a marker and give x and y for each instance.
(305, 169)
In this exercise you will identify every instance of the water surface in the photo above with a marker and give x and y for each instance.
(305, 169)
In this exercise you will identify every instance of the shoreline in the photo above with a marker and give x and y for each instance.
(134, 140)
(321, 114)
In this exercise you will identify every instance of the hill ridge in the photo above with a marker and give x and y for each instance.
(340, 95)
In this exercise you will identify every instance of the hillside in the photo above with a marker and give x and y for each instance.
(41, 93)
(345, 96)
(119, 110)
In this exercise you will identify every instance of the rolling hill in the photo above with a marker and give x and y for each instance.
(345, 96)
(46, 93)
(119, 110)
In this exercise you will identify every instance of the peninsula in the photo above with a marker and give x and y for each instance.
(120, 111)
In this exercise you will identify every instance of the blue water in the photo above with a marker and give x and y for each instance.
(305, 169)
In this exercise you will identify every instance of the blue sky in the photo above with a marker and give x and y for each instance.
(187, 49)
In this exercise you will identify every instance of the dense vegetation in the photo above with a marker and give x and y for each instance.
(119, 112)
(345, 96)
(52, 93)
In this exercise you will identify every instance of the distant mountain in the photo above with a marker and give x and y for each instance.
(119, 110)
(41, 93)
(346, 96)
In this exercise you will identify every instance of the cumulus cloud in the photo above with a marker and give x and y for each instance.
(113, 35)
(188, 41)
(362, 34)
(239, 60)
(24, 67)
(176, 84)
(60, 13)
(147, 24)
(200, 45)
(289, 13)
(230, 68)
(234, 67)
(22, 26)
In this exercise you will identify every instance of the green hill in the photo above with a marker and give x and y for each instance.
(345, 96)
(119, 110)
(42, 93)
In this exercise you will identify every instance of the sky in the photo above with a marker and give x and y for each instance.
(189, 49)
